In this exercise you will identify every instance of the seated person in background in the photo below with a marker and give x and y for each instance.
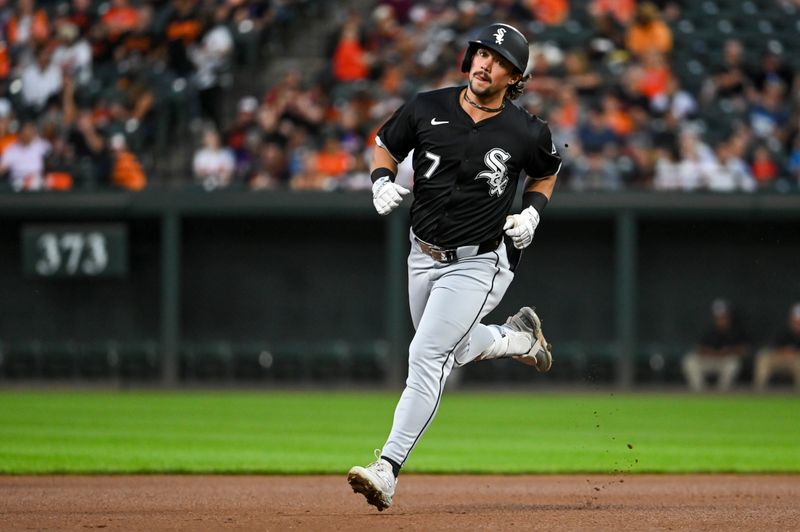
(719, 352)
(213, 164)
(23, 160)
(783, 355)
(126, 171)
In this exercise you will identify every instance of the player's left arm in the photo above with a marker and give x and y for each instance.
(537, 191)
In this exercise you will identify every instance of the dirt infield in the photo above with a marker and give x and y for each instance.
(576, 502)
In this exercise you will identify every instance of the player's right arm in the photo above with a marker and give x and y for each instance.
(386, 194)
(381, 158)
(399, 134)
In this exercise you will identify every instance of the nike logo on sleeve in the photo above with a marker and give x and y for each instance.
(435, 122)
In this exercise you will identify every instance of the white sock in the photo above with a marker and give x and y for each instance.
(507, 342)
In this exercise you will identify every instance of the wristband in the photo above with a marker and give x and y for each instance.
(382, 172)
(534, 199)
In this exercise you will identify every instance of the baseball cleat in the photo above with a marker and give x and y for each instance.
(376, 482)
(540, 354)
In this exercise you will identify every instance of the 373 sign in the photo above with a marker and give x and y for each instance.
(75, 250)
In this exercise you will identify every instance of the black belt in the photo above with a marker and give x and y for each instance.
(447, 256)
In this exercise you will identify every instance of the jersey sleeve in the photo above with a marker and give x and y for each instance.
(398, 134)
(544, 160)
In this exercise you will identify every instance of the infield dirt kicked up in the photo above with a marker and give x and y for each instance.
(423, 502)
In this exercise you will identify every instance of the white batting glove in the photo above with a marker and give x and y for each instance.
(520, 227)
(386, 196)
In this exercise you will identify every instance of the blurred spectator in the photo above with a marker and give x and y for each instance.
(213, 165)
(596, 171)
(579, 74)
(783, 355)
(41, 80)
(794, 161)
(333, 161)
(771, 69)
(652, 77)
(23, 160)
(764, 167)
(550, 12)
(729, 173)
(323, 169)
(621, 10)
(595, 134)
(693, 168)
(607, 44)
(564, 117)
(769, 114)
(719, 352)
(729, 80)
(675, 103)
(184, 25)
(7, 135)
(212, 58)
(73, 56)
(27, 25)
(126, 171)
(86, 138)
(349, 60)
(648, 33)
(120, 18)
(80, 13)
(242, 130)
(616, 115)
(271, 169)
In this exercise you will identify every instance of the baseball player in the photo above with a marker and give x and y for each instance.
(470, 145)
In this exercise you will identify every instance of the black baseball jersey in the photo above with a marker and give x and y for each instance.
(465, 173)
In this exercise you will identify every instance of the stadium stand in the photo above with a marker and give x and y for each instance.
(297, 105)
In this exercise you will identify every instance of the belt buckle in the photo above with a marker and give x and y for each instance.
(443, 255)
(436, 253)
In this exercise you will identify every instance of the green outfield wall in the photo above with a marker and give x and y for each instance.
(228, 284)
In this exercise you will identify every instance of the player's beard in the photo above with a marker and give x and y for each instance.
(487, 93)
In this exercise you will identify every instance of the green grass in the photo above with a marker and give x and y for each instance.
(235, 432)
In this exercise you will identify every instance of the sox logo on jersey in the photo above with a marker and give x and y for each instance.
(498, 175)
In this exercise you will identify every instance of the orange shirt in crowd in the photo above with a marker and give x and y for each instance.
(622, 10)
(565, 116)
(6, 141)
(620, 122)
(549, 12)
(40, 28)
(764, 170)
(120, 20)
(128, 172)
(333, 164)
(654, 37)
(5, 61)
(187, 30)
(654, 80)
(348, 61)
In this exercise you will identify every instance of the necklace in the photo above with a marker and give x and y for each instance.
(483, 107)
